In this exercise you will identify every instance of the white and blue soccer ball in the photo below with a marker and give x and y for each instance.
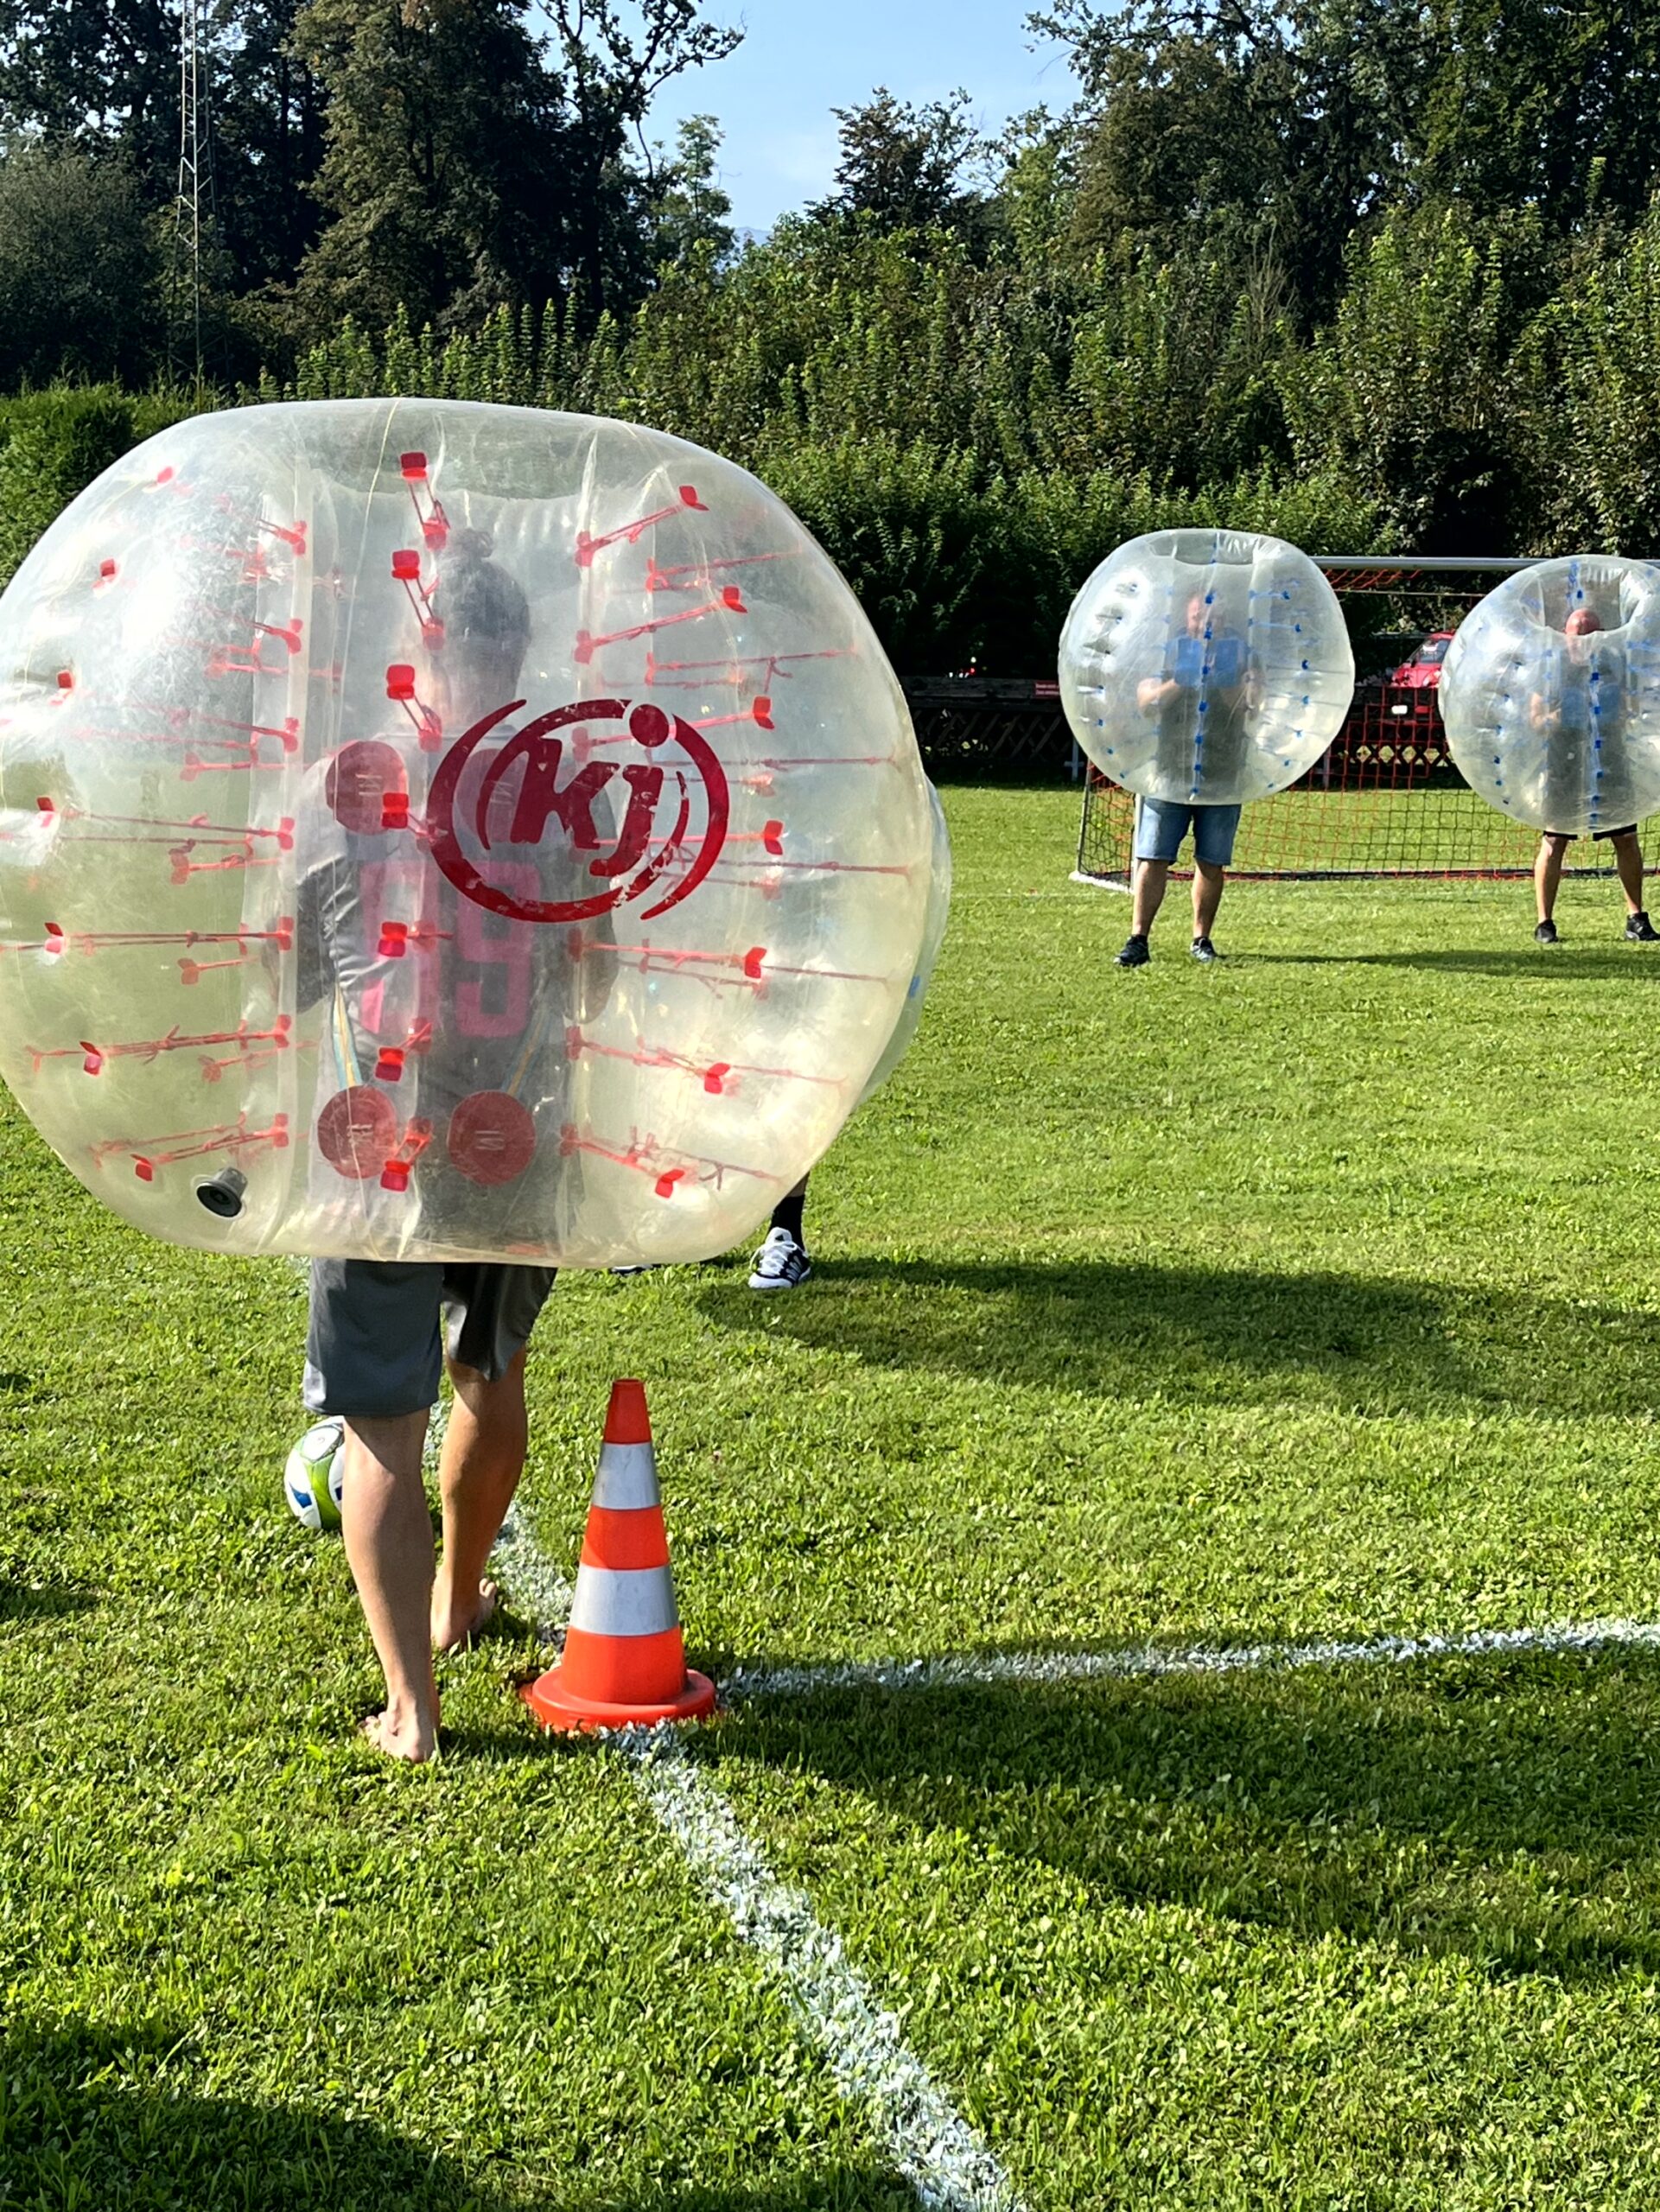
(312, 1478)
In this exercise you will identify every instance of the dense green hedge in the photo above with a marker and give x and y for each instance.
(53, 442)
(957, 567)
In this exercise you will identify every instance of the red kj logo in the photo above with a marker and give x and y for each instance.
(665, 809)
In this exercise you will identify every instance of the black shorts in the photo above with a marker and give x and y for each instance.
(373, 1345)
(1600, 837)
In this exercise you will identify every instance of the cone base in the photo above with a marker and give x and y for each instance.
(556, 1706)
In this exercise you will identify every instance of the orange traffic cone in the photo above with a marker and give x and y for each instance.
(625, 1659)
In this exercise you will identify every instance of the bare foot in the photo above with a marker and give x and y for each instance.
(454, 1622)
(401, 1735)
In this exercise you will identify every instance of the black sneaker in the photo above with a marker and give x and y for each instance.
(1135, 954)
(1205, 950)
(780, 1264)
(1546, 933)
(1641, 930)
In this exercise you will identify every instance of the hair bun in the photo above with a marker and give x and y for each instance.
(469, 545)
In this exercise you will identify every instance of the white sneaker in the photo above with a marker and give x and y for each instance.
(780, 1264)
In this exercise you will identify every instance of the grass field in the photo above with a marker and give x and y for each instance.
(1313, 1296)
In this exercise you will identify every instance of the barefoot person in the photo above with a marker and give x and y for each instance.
(1568, 714)
(381, 1333)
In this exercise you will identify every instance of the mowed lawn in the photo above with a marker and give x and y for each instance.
(1312, 1296)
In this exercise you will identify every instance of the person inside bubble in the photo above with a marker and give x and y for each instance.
(1584, 688)
(475, 1008)
(1207, 665)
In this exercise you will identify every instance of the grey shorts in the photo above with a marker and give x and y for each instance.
(373, 1345)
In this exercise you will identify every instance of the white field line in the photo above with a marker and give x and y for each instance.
(762, 1682)
(1098, 882)
(947, 2165)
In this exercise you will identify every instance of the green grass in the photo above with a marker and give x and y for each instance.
(1312, 1295)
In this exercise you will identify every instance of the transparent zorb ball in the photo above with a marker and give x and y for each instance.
(1206, 667)
(430, 830)
(933, 936)
(1550, 693)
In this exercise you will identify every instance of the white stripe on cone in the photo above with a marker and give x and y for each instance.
(624, 1601)
(627, 1480)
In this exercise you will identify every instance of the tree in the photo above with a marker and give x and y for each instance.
(1410, 392)
(1295, 121)
(468, 165)
(79, 288)
(105, 77)
(613, 74)
(268, 130)
(904, 166)
(1252, 124)
(691, 213)
(441, 174)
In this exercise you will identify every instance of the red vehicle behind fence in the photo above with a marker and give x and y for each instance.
(1422, 669)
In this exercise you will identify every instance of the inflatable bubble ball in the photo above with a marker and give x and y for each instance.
(933, 936)
(1206, 667)
(1550, 693)
(439, 830)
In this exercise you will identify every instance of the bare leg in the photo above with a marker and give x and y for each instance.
(388, 1533)
(1628, 859)
(1547, 873)
(1208, 881)
(483, 1458)
(1151, 876)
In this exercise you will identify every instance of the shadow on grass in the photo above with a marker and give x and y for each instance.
(89, 2118)
(85, 2121)
(1560, 964)
(1229, 1335)
(30, 1601)
(1505, 1809)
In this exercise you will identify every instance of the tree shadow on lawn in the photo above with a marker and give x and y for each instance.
(1226, 1335)
(81, 2125)
(1502, 1807)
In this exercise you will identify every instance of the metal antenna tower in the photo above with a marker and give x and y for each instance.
(195, 211)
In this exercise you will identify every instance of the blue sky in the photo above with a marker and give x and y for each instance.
(801, 58)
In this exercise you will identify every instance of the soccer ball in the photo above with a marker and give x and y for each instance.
(312, 1478)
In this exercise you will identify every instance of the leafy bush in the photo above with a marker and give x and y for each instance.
(53, 442)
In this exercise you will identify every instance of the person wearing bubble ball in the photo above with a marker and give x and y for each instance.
(375, 1349)
(1214, 659)
(1570, 712)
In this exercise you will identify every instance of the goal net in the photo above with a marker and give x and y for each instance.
(1386, 799)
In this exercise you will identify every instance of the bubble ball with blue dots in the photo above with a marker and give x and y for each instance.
(1550, 693)
(1206, 667)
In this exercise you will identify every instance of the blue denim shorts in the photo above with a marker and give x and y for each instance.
(1162, 824)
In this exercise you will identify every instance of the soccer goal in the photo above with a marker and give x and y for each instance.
(1387, 798)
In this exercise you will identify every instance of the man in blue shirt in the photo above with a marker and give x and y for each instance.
(1208, 667)
(1584, 696)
